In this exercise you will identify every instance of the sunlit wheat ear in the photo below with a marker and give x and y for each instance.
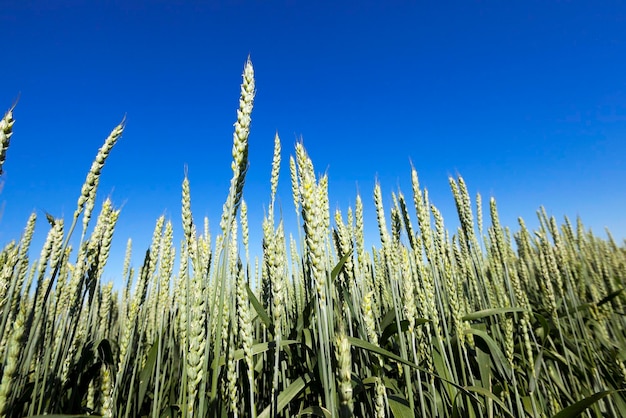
(126, 269)
(6, 131)
(350, 221)
(298, 279)
(245, 232)
(107, 239)
(344, 372)
(396, 222)
(11, 363)
(368, 318)
(240, 146)
(246, 332)
(322, 193)
(61, 298)
(106, 385)
(167, 264)
(48, 247)
(509, 340)
(51, 252)
(359, 231)
(468, 216)
(22, 264)
(295, 187)
(9, 259)
(155, 251)
(273, 246)
(344, 246)
(104, 312)
(546, 283)
(380, 214)
(87, 197)
(231, 377)
(204, 249)
(30, 277)
(410, 310)
(274, 178)
(75, 284)
(233, 251)
(479, 213)
(167, 248)
(97, 250)
(420, 200)
(197, 342)
(463, 207)
(186, 211)
(181, 295)
(455, 299)
(313, 219)
(104, 324)
(406, 220)
(380, 399)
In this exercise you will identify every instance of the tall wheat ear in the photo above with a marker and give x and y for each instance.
(6, 131)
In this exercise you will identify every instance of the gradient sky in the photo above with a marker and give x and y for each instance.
(526, 100)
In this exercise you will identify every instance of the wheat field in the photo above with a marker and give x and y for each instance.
(476, 322)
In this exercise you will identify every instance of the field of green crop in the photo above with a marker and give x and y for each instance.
(476, 322)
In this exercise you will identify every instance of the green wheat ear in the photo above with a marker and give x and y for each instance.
(6, 131)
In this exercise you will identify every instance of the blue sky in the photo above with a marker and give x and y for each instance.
(526, 100)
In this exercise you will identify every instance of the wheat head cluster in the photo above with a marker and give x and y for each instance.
(479, 321)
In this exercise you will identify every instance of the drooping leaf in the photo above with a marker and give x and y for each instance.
(580, 406)
(259, 308)
(488, 394)
(610, 296)
(258, 348)
(337, 269)
(317, 411)
(393, 329)
(400, 407)
(287, 395)
(359, 343)
(147, 372)
(490, 312)
(388, 319)
(105, 352)
(603, 301)
(497, 355)
(545, 327)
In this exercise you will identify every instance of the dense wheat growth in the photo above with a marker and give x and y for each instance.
(476, 322)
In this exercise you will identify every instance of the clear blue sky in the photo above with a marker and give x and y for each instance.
(526, 100)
